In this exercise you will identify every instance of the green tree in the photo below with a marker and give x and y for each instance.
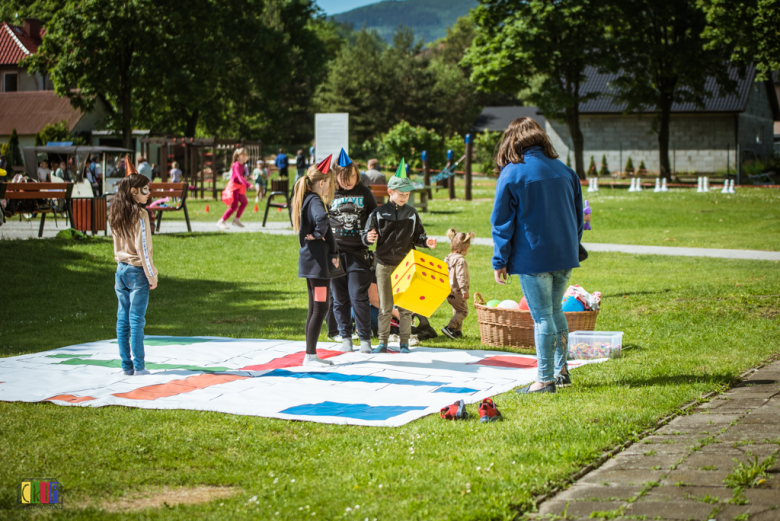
(604, 170)
(518, 41)
(661, 61)
(486, 144)
(629, 166)
(592, 171)
(13, 152)
(750, 29)
(408, 142)
(642, 168)
(57, 132)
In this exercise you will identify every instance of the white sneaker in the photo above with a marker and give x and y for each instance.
(221, 224)
(393, 338)
(365, 346)
(336, 338)
(315, 361)
(414, 341)
(142, 372)
(236, 222)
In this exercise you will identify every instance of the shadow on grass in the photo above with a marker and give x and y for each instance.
(680, 379)
(632, 293)
(62, 294)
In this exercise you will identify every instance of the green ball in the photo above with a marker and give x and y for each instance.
(493, 303)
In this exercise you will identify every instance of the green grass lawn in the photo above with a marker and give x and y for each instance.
(681, 217)
(692, 325)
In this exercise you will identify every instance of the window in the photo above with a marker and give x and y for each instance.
(10, 82)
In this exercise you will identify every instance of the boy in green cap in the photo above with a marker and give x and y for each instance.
(396, 229)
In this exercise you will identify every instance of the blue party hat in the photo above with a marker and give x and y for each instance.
(344, 159)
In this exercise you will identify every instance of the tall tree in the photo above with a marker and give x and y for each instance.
(750, 28)
(662, 61)
(519, 40)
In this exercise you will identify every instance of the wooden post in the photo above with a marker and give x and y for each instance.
(164, 160)
(467, 165)
(202, 172)
(451, 180)
(214, 168)
(426, 172)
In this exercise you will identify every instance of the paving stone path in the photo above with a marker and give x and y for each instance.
(678, 472)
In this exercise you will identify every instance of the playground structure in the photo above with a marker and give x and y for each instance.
(447, 174)
(198, 156)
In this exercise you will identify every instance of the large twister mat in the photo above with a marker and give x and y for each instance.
(266, 378)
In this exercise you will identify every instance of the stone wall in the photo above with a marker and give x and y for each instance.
(697, 142)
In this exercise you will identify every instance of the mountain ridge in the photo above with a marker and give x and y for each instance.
(428, 18)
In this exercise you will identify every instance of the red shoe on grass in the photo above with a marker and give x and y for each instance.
(488, 412)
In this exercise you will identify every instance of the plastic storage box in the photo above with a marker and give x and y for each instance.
(586, 345)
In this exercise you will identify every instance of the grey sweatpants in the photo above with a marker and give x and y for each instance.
(384, 284)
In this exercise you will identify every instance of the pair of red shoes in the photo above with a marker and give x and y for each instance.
(488, 412)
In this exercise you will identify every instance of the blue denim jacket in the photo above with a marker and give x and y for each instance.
(537, 216)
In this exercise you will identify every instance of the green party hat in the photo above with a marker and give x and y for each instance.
(401, 172)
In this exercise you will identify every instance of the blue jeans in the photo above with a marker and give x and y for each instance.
(132, 290)
(544, 292)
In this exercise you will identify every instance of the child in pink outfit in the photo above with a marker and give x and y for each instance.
(234, 194)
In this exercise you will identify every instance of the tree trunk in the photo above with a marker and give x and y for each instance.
(573, 122)
(192, 124)
(663, 138)
(127, 116)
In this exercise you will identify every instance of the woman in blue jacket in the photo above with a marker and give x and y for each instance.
(537, 226)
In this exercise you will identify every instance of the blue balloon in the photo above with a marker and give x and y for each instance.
(571, 304)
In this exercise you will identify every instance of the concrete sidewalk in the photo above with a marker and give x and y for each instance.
(678, 472)
(29, 230)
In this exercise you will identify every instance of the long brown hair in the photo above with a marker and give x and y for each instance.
(304, 186)
(345, 173)
(522, 133)
(125, 211)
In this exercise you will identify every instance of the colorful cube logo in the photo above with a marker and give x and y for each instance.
(420, 283)
(39, 493)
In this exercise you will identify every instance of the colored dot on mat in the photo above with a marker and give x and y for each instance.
(422, 297)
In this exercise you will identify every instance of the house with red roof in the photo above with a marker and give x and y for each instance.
(28, 101)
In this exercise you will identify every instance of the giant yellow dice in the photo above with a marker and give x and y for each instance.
(421, 283)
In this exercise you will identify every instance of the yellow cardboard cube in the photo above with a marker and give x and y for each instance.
(421, 283)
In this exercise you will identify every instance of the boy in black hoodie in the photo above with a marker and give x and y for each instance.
(396, 229)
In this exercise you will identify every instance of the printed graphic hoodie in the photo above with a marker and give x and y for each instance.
(349, 213)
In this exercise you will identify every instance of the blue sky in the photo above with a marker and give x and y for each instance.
(339, 6)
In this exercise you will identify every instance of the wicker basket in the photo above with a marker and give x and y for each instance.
(515, 328)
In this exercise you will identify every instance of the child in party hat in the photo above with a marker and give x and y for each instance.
(395, 228)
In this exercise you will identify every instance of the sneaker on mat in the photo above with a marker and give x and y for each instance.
(142, 372)
(335, 338)
(131, 372)
(550, 388)
(414, 341)
(238, 223)
(381, 348)
(488, 412)
(405, 348)
(222, 224)
(456, 411)
(563, 380)
(346, 345)
(365, 346)
(450, 333)
(315, 361)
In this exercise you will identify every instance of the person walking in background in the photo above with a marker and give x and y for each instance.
(61, 171)
(260, 177)
(537, 225)
(175, 173)
(373, 176)
(282, 163)
(312, 150)
(95, 176)
(300, 165)
(234, 194)
(144, 168)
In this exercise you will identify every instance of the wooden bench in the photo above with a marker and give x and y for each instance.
(35, 191)
(379, 192)
(163, 190)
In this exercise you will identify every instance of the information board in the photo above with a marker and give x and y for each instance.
(331, 134)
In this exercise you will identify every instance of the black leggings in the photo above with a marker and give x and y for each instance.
(317, 312)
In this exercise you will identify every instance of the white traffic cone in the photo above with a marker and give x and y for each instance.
(700, 187)
(725, 189)
(664, 188)
(657, 185)
(732, 190)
